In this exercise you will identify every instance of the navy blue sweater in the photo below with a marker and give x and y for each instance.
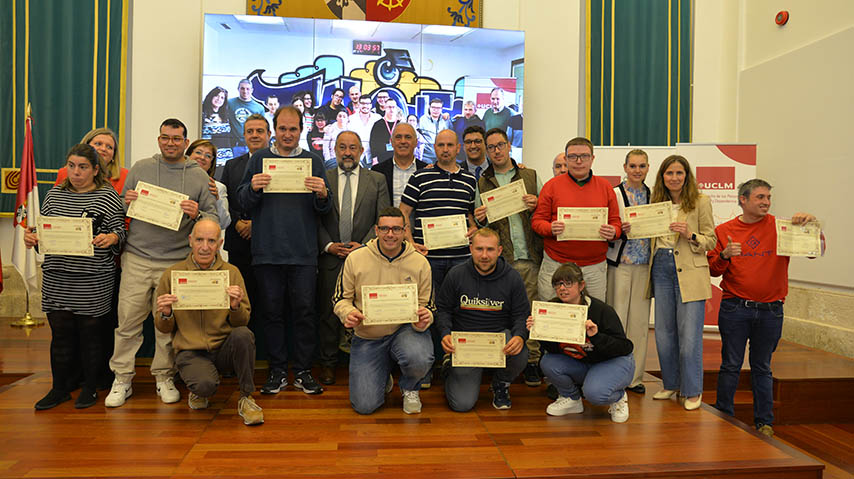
(284, 225)
(470, 301)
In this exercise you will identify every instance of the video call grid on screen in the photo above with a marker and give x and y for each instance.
(286, 60)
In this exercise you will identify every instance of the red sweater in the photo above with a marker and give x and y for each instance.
(758, 274)
(563, 191)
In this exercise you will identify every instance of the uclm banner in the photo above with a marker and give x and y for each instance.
(718, 168)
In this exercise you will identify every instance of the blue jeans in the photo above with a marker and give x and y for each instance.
(678, 329)
(462, 387)
(738, 325)
(291, 285)
(603, 383)
(371, 361)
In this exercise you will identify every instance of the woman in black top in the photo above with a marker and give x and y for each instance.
(602, 367)
(77, 290)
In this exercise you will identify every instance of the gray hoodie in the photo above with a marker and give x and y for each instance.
(155, 242)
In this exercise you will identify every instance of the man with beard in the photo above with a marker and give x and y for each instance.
(358, 195)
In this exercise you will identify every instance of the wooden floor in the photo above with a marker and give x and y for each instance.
(321, 436)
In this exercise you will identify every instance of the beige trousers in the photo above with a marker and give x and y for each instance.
(529, 272)
(626, 291)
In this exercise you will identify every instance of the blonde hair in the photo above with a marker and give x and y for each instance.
(690, 192)
(112, 171)
(486, 232)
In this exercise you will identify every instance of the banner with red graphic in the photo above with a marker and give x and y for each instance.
(26, 212)
(718, 168)
(467, 13)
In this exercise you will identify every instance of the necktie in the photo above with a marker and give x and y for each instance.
(477, 171)
(345, 227)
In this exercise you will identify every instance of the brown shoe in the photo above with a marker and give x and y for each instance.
(327, 375)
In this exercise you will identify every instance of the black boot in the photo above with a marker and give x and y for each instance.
(53, 398)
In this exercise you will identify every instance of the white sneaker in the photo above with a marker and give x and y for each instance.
(118, 394)
(565, 405)
(167, 391)
(620, 410)
(411, 402)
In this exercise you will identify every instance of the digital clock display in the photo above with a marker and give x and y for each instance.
(367, 47)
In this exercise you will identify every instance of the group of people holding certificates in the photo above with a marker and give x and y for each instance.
(473, 273)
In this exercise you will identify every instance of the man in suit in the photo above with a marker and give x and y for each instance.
(358, 195)
(403, 164)
(256, 132)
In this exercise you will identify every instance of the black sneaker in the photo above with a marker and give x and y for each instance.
(306, 382)
(53, 398)
(276, 381)
(532, 375)
(551, 392)
(87, 398)
(501, 396)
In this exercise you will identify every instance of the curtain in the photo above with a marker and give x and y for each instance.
(68, 60)
(638, 72)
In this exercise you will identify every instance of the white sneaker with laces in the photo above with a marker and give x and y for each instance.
(411, 402)
(565, 405)
(167, 391)
(118, 394)
(620, 410)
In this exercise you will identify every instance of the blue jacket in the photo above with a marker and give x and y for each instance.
(284, 225)
(470, 301)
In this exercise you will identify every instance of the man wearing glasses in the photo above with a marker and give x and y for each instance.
(335, 105)
(149, 250)
(386, 260)
(475, 162)
(578, 188)
(358, 195)
(521, 247)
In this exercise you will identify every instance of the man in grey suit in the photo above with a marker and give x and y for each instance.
(358, 195)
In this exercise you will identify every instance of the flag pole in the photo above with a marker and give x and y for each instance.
(27, 321)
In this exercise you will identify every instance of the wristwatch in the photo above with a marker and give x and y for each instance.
(694, 237)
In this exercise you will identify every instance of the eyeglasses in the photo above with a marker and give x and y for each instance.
(565, 284)
(497, 146)
(476, 141)
(394, 229)
(170, 139)
(582, 157)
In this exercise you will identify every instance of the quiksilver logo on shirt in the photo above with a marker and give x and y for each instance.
(478, 304)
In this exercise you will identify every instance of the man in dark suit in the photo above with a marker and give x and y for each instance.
(403, 164)
(256, 132)
(358, 195)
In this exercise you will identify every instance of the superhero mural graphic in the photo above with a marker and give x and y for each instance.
(393, 75)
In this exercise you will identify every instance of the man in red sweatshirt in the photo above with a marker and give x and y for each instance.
(755, 283)
(577, 188)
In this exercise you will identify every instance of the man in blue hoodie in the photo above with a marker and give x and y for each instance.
(484, 294)
(284, 254)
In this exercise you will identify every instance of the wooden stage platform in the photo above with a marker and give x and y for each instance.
(321, 436)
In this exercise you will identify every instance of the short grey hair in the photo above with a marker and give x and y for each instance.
(748, 186)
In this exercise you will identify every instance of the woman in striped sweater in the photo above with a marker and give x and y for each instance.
(77, 290)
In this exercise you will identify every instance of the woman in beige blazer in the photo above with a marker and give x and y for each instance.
(679, 281)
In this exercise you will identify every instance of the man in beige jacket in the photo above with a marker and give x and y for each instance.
(386, 260)
(210, 340)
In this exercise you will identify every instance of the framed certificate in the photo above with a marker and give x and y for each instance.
(390, 304)
(649, 221)
(559, 322)
(157, 206)
(798, 240)
(65, 236)
(200, 289)
(582, 224)
(504, 201)
(287, 175)
(441, 232)
(478, 350)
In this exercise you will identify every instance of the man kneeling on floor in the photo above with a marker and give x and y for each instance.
(211, 340)
(386, 260)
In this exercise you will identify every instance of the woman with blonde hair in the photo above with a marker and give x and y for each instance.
(105, 142)
(204, 152)
(680, 281)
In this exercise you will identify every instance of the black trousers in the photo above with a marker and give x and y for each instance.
(75, 349)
